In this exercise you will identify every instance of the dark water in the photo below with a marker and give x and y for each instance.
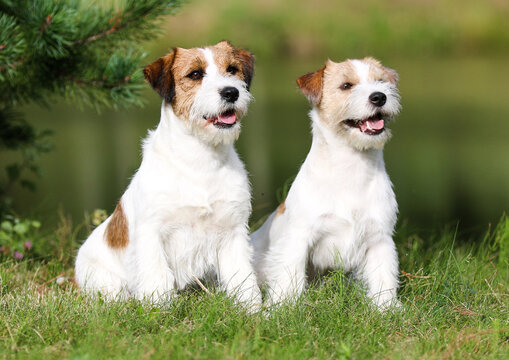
(448, 159)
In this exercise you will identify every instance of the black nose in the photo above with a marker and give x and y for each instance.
(230, 94)
(378, 98)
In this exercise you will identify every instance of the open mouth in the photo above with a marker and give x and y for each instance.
(371, 126)
(224, 121)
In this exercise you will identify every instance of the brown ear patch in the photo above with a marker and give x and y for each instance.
(117, 232)
(160, 76)
(311, 85)
(247, 60)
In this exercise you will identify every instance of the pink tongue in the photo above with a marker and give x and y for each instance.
(375, 124)
(228, 119)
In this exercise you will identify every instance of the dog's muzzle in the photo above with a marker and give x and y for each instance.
(373, 125)
(224, 120)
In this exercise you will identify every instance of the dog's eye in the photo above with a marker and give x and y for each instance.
(195, 75)
(232, 69)
(346, 86)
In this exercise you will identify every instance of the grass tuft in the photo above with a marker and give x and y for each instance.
(455, 297)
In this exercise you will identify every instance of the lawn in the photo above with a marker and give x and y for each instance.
(455, 292)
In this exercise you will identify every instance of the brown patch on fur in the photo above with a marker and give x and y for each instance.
(340, 73)
(225, 55)
(372, 61)
(336, 100)
(168, 74)
(160, 77)
(117, 231)
(311, 85)
(391, 75)
(187, 61)
(224, 44)
(334, 104)
(281, 209)
(247, 60)
(377, 72)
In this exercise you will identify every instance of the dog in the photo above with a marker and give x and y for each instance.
(185, 213)
(340, 211)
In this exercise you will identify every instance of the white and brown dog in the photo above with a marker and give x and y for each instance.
(185, 213)
(341, 210)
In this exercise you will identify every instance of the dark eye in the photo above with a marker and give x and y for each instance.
(346, 86)
(195, 75)
(232, 69)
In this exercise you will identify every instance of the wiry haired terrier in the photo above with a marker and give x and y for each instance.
(341, 210)
(184, 215)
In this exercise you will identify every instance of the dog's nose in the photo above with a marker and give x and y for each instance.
(378, 98)
(230, 94)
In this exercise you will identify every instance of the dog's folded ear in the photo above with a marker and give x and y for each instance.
(247, 60)
(392, 75)
(311, 85)
(159, 75)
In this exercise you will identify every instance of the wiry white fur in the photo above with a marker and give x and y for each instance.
(358, 108)
(208, 102)
(187, 208)
(339, 213)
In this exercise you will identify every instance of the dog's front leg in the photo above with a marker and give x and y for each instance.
(380, 273)
(152, 279)
(235, 272)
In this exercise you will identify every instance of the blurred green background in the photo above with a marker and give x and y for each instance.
(449, 156)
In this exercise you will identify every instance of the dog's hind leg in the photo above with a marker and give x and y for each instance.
(99, 269)
(285, 266)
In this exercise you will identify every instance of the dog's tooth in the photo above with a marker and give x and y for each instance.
(369, 126)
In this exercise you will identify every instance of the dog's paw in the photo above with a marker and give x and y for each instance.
(155, 297)
(390, 306)
(251, 304)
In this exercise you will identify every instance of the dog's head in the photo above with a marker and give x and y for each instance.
(208, 88)
(355, 98)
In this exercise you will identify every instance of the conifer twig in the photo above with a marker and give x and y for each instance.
(116, 27)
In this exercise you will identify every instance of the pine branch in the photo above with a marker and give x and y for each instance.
(114, 28)
(68, 48)
(66, 41)
(12, 65)
(12, 45)
(131, 22)
(100, 83)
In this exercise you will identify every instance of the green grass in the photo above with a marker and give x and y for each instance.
(455, 297)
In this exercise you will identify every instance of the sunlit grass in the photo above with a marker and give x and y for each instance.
(455, 298)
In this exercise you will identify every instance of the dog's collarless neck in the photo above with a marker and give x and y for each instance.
(337, 148)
